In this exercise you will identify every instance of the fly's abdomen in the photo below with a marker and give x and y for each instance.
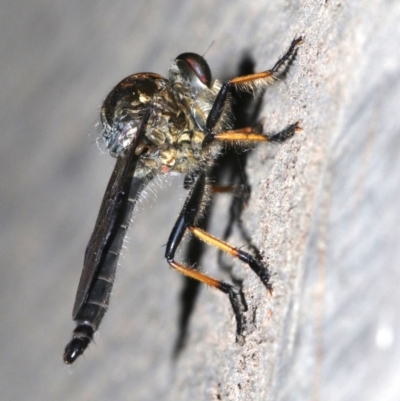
(95, 306)
(99, 295)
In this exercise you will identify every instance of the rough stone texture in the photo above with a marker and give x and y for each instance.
(324, 207)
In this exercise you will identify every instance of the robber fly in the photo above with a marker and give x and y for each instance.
(155, 126)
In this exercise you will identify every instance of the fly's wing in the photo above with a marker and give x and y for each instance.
(122, 189)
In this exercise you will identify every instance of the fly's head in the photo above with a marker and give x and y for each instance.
(191, 71)
(190, 75)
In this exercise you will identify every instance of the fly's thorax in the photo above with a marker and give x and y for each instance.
(172, 140)
(124, 107)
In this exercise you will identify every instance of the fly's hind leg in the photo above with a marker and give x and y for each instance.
(254, 263)
(186, 221)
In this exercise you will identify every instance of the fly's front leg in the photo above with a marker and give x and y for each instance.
(248, 83)
(186, 220)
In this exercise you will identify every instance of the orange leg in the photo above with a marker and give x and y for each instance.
(236, 190)
(185, 220)
(261, 79)
(256, 265)
(248, 83)
(250, 135)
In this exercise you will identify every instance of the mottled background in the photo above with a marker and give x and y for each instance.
(324, 207)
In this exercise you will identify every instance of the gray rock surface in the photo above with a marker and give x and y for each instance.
(324, 207)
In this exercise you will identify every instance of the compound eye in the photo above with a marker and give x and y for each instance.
(196, 64)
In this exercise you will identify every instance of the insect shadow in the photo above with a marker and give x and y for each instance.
(231, 168)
